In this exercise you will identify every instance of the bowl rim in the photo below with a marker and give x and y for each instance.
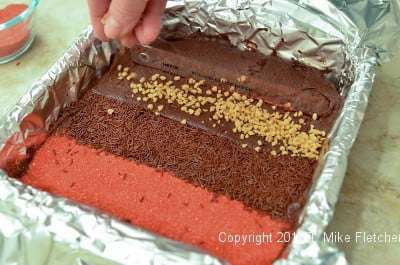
(20, 17)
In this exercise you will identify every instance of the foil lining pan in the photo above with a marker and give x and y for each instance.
(39, 228)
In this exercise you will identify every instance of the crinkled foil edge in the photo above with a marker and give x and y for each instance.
(326, 38)
(378, 23)
(308, 245)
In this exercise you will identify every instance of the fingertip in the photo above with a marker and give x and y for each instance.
(129, 40)
(148, 30)
(150, 27)
(104, 39)
(97, 10)
(101, 36)
(112, 28)
(123, 16)
(99, 31)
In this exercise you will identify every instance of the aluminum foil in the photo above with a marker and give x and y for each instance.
(374, 18)
(38, 228)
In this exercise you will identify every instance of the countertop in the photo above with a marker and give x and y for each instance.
(370, 197)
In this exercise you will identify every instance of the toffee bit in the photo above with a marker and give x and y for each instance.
(131, 76)
(242, 79)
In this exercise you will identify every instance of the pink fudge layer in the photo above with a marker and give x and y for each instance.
(156, 201)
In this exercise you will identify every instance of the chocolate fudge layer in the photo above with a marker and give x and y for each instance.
(316, 110)
(303, 87)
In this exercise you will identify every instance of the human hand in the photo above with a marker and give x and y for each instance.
(131, 21)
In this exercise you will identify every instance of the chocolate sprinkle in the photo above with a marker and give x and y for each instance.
(204, 160)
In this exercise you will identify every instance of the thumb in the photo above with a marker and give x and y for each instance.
(122, 17)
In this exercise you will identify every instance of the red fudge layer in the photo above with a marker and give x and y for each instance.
(153, 200)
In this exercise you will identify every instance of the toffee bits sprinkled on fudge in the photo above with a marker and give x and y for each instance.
(250, 117)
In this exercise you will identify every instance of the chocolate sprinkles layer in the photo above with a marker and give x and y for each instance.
(273, 185)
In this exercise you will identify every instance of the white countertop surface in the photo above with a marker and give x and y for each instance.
(370, 197)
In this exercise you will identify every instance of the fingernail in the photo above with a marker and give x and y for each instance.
(129, 40)
(112, 29)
